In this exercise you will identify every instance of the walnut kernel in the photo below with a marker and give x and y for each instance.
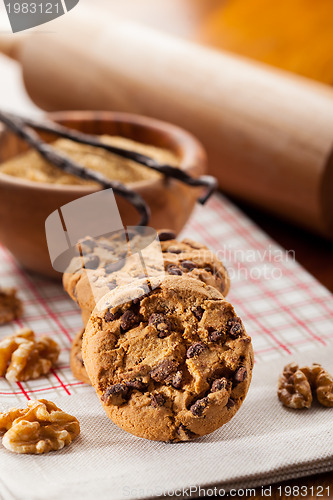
(40, 428)
(294, 390)
(322, 382)
(24, 357)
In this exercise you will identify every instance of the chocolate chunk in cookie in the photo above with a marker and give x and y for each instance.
(111, 285)
(163, 370)
(215, 335)
(220, 384)
(174, 270)
(116, 394)
(157, 400)
(195, 349)
(240, 375)
(176, 379)
(87, 245)
(198, 312)
(231, 403)
(185, 434)
(175, 250)
(110, 316)
(129, 320)
(166, 235)
(199, 407)
(136, 384)
(188, 264)
(113, 267)
(91, 262)
(235, 327)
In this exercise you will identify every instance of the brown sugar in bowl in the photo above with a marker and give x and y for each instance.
(25, 204)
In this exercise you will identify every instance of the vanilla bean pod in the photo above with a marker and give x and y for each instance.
(22, 129)
(206, 181)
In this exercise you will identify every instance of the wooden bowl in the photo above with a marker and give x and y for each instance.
(25, 205)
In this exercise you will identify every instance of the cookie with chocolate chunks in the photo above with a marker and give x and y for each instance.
(76, 361)
(165, 376)
(106, 267)
(193, 259)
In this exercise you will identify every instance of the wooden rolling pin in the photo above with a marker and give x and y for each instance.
(296, 35)
(269, 134)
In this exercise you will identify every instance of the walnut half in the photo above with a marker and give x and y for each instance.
(294, 390)
(25, 357)
(322, 382)
(40, 428)
(296, 386)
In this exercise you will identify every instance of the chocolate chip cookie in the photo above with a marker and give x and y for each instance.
(107, 265)
(76, 361)
(171, 364)
(193, 259)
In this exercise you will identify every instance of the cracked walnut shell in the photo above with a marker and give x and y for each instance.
(294, 389)
(40, 428)
(24, 357)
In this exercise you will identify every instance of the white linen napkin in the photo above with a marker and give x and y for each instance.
(264, 443)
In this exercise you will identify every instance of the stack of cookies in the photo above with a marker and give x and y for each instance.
(167, 355)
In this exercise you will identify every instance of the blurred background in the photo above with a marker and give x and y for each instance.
(294, 36)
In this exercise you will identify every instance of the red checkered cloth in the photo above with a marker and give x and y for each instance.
(284, 308)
